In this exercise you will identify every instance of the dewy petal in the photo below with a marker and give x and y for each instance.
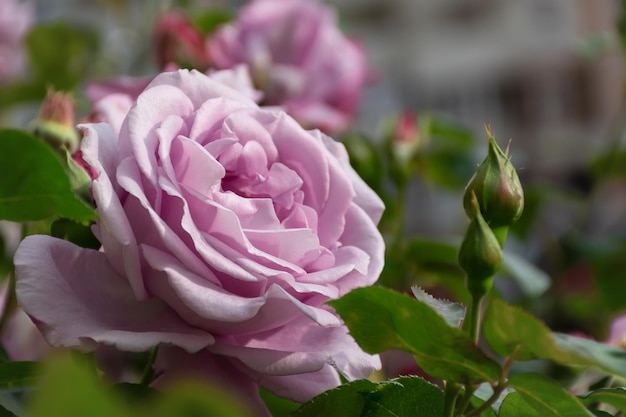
(77, 300)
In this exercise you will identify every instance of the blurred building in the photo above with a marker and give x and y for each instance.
(547, 73)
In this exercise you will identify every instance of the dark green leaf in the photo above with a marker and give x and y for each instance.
(538, 396)
(451, 312)
(18, 374)
(615, 397)
(381, 319)
(402, 397)
(278, 407)
(429, 251)
(35, 185)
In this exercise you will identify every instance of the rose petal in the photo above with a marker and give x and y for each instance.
(77, 300)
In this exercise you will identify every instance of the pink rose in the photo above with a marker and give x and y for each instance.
(16, 18)
(225, 227)
(298, 57)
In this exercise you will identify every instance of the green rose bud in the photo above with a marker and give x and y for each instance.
(480, 254)
(497, 188)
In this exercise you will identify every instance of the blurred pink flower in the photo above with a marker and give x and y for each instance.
(617, 333)
(16, 18)
(225, 228)
(298, 57)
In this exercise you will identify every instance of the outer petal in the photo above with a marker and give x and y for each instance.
(77, 299)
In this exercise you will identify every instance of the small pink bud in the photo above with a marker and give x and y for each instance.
(55, 122)
(179, 42)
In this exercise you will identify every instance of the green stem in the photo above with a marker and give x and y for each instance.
(474, 319)
(466, 399)
(148, 372)
(499, 386)
(451, 394)
(501, 233)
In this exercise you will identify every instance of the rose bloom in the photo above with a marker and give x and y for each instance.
(16, 18)
(298, 57)
(225, 227)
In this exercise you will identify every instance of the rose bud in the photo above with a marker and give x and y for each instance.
(480, 254)
(179, 42)
(55, 122)
(497, 188)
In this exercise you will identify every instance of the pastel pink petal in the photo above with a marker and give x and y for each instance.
(173, 365)
(189, 293)
(301, 387)
(199, 88)
(138, 134)
(318, 114)
(253, 213)
(364, 196)
(291, 245)
(73, 311)
(113, 230)
(195, 167)
(252, 126)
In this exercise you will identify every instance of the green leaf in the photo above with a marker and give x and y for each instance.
(609, 358)
(381, 319)
(538, 396)
(60, 55)
(69, 390)
(533, 340)
(278, 407)
(34, 185)
(615, 397)
(18, 374)
(195, 399)
(531, 279)
(402, 397)
(453, 313)
(208, 21)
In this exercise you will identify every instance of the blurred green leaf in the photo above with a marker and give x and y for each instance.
(60, 55)
(18, 374)
(35, 185)
(453, 313)
(21, 92)
(68, 390)
(531, 279)
(402, 397)
(538, 396)
(209, 20)
(615, 397)
(430, 251)
(611, 359)
(507, 329)
(196, 399)
(381, 319)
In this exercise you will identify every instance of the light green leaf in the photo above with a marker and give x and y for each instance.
(453, 313)
(533, 340)
(34, 184)
(539, 396)
(615, 397)
(381, 319)
(69, 390)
